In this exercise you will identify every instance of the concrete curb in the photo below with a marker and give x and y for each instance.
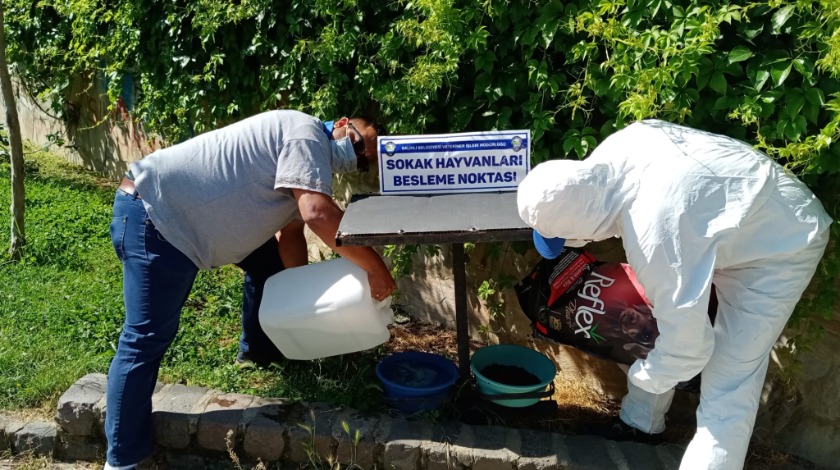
(194, 428)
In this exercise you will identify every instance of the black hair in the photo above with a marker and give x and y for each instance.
(370, 122)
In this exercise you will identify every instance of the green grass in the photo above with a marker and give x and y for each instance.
(61, 307)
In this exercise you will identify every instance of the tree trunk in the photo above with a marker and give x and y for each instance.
(18, 239)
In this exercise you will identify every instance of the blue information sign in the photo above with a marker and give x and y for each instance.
(454, 163)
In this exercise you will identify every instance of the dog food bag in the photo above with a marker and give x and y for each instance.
(594, 306)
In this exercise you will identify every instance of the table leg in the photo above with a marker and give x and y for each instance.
(461, 319)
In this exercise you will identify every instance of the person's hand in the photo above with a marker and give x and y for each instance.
(381, 284)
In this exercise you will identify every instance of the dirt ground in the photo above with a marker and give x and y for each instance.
(572, 406)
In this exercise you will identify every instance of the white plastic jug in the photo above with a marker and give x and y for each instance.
(323, 309)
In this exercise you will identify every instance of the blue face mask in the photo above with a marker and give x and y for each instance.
(362, 163)
(343, 158)
(328, 127)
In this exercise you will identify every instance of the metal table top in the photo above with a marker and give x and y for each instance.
(374, 220)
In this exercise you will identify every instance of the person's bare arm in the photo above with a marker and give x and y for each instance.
(291, 244)
(323, 216)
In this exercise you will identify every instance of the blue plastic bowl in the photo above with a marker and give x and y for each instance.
(416, 381)
(512, 355)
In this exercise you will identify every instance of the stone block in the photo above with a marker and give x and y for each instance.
(616, 452)
(638, 455)
(541, 463)
(355, 434)
(311, 437)
(539, 452)
(592, 452)
(183, 461)
(808, 438)
(100, 407)
(99, 410)
(437, 456)
(8, 427)
(439, 452)
(401, 454)
(265, 429)
(402, 439)
(561, 450)
(819, 392)
(76, 413)
(161, 390)
(496, 448)
(37, 437)
(461, 444)
(221, 416)
(11, 426)
(176, 414)
(85, 448)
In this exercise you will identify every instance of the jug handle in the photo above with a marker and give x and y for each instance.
(385, 310)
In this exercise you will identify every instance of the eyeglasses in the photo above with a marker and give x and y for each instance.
(362, 163)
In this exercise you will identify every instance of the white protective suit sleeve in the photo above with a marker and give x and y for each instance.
(677, 276)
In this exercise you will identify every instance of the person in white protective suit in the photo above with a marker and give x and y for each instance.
(692, 208)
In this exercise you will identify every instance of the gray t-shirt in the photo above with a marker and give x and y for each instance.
(219, 196)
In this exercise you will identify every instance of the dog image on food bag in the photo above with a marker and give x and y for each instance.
(622, 315)
(639, 328)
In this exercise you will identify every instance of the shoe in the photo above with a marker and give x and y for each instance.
(690, 386)
(618, 430)
(244, 362)
(248, 360)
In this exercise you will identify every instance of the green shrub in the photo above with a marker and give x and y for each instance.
(572, 72)
(61, 308)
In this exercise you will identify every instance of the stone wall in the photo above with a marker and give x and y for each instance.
(805, 426)
(199, 428)
(96, 140)
(805, 421)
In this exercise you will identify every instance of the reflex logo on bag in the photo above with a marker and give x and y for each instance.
(585, 314)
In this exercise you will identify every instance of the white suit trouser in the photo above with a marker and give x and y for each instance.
(755, 302)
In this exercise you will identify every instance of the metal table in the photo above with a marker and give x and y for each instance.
(374, 220)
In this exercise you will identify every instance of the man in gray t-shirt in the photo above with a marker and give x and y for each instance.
(211, 201)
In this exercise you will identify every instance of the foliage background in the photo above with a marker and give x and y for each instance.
(573, 72)
(61, 308)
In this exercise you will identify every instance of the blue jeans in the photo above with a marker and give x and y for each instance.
(157, 278)
(258, 266)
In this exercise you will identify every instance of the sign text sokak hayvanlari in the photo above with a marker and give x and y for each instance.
(455, 162)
